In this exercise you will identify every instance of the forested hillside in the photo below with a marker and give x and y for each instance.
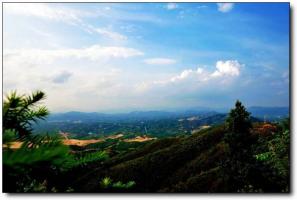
(237, 155)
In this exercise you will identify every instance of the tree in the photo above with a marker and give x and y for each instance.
(238, 124)
(238, 138)
(21, 111)
(238, 120)
(274, 158)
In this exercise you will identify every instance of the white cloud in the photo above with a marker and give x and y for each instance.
(160, 61)
(72, 74)
(93, 53)
(224, 74)
(187, 74)
(66, 15)
(68, 83)
(102, 31)
(202, 6)
(225, 7)
(171, 6)
(43, 11)
(227, 68)
(110, 34)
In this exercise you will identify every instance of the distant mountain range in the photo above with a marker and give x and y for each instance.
(269, 113)
(264, 113)
(132, 116)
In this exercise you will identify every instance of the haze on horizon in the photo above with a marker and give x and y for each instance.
(110, 57)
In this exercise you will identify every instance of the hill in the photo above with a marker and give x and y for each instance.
(207, 152)
(178, 164)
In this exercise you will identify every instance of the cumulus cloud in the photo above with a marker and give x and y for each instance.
(224, 73)
(189, 73)
(159, 61)
(225, 7)
(171, 6)
(227, 68)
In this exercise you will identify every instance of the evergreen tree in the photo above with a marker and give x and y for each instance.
(21, 111)
(237, 165)
(238, 124)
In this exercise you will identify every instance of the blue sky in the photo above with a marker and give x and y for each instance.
(148, 56)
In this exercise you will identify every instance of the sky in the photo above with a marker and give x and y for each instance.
(120, 57)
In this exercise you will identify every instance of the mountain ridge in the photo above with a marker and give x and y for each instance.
(270, 113)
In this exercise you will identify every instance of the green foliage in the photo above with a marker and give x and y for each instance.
(35, 150)
(238, 137)
(39, 158)
(107, 183)
(152, 165)
(263, 156)
(9, 136)
(285, 124)
(218, 159)
(91, 157)
(239, 160)
(21, 111)
(121, 185)
(238, 120)
(69, 189)
(145, 148)
(275, 159)
(35, 186)
(85, 159)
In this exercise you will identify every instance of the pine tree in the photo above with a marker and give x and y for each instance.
(21, 111)
(237, 165)
(239, 124)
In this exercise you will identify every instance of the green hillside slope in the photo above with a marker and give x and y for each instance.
(185, 164)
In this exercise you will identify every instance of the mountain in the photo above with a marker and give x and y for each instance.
(270, 113)
(77, 116)
(132, 116)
